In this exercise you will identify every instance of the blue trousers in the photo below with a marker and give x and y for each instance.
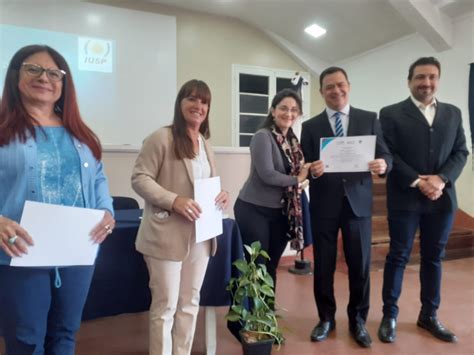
(434, 232)
(35, 316)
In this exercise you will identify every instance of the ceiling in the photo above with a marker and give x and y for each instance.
(353, 26)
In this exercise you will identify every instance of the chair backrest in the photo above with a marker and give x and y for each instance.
(125, 203)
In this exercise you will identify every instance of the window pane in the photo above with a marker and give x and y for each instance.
(250, 124)
(256, 84)
(284, 83)
(253, 104)
(245, 141)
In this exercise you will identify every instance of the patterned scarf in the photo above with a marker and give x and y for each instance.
(292, 196)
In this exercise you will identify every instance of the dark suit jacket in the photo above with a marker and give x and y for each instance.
(419, 149)
(327, 192)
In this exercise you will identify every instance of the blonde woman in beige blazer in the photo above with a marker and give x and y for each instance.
(169, 161)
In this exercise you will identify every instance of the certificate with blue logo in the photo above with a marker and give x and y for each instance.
(347, 154)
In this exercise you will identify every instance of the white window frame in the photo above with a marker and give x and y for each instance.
(273, 74)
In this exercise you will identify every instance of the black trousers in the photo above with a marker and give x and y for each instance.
(434, 234)
(356, 237)
(268, 225)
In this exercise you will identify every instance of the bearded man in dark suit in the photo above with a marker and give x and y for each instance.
(429, 149)
(342, 201)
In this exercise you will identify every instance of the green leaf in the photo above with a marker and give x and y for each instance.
(268, 280)
(245, 282)
(232, 317)
(267, 291)
(237, 308)
(256, 246)
(249, 250)
(257, 303)
(264, 254)
(241, 265)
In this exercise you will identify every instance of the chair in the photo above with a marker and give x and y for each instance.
(124, 203)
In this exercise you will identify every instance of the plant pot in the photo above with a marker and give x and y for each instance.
(261, 347)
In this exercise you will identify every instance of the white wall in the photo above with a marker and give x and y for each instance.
(233, 166)
(379, 78)
(208, 45)
(117, 99)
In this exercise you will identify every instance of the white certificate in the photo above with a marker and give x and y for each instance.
(209, 224)
(60, 235)
(347, 154)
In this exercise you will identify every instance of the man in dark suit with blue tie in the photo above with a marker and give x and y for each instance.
(429, 150)
(342, 201)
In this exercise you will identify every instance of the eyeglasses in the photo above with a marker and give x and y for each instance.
(285, 109)
(36, 71)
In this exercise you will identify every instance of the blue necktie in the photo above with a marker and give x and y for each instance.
(339, 130)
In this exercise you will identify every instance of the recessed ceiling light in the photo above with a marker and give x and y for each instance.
(93, 19)
(315, 30)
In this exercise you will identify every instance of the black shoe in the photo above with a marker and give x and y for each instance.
(434, 326)
(361, 335)
(322, 329)
(387, 330)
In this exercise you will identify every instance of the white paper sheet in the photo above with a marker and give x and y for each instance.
(209, 224)
(347, 154)
(60, 233)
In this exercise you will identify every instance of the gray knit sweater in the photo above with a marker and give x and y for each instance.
(267, 179)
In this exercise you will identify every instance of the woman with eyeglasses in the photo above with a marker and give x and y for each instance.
(47, 154)
(268, 208)
(170, 160)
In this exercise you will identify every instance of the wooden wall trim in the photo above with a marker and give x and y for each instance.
(463, 220)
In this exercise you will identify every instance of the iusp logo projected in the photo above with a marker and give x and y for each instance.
(95, 54)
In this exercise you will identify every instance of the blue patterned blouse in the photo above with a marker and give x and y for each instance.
(59, 168)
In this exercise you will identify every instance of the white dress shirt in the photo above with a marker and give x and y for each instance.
(428, 111)
(200, 163)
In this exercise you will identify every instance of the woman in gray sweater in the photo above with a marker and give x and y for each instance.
(268, 208)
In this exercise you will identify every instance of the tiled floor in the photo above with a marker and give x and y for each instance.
(127, 334)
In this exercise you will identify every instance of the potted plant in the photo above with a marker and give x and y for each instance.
(253, 301)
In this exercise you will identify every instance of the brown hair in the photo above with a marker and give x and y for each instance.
(423, 61)
(183, 145)
(15, 121)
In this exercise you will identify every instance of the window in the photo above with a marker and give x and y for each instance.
(253, 90)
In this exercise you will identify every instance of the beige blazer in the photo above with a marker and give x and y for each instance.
(159, 177)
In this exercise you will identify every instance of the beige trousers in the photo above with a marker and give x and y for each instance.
(175, 288)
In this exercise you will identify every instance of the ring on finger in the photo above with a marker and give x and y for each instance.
(189, 210)
(12, 239)
(109, 231)
(107, 227)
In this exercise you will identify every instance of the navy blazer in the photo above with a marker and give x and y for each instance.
(327, 191)
(419, 149)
